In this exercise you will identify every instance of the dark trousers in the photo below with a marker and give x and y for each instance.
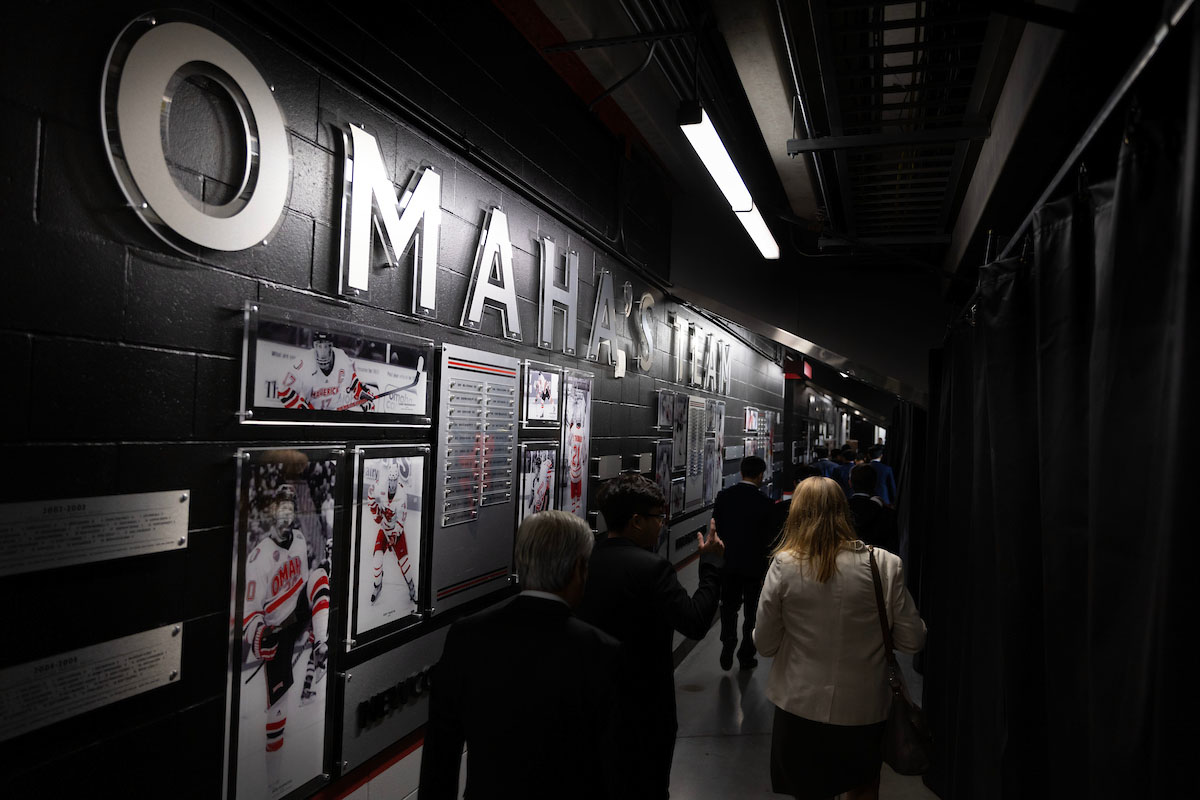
(739, 589)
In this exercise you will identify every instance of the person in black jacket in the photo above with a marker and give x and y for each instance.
(742, 514)
(874, 522)
(633, 594)
(528, 687)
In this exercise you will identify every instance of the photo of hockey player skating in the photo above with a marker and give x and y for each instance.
(307, 372)
(537, 479)
(287, 525)
(541, 394)
(576, 439)
(389, 540)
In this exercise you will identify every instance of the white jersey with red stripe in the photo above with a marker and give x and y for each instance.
(575, 453)
(306, 386)
(276, 578)
(389, 513)
(541, 486)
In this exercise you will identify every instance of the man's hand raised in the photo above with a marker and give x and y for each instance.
(711, 544)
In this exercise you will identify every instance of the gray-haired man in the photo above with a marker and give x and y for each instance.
(525, 685)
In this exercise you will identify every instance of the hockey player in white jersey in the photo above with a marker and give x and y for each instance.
(539, 497)
(541, 396)
(324, 380)
(283, 599)
(576, 452)
(387, 500)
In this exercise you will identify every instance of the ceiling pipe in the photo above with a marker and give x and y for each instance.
(798, 95)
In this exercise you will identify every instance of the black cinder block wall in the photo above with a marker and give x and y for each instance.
(124, 356)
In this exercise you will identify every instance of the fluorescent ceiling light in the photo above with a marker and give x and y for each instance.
(699, 130)
(712, 152)
(753, 222)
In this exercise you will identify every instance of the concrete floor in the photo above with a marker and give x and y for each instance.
(724, 743)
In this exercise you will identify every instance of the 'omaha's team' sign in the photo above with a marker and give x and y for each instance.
(150, 52)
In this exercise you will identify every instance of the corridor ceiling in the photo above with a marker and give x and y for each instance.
(881, 140)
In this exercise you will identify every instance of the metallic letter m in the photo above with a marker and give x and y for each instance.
(368, 196)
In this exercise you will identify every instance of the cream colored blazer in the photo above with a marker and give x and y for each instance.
(825, 638)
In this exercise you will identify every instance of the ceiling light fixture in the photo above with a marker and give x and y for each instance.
(699, 130)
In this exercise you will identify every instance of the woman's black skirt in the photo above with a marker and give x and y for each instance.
(812, 760)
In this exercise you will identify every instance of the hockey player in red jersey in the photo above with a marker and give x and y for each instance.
(541, 396)
(539, 497)
(576, 451)
(387, 500)
(327, 380)
(283, 599)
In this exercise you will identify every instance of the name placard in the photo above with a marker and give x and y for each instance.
(58, 533)
(38, 693)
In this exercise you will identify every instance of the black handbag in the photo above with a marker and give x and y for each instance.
(907, 742)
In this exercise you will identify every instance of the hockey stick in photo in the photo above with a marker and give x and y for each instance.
(381, 395)
(295, 661)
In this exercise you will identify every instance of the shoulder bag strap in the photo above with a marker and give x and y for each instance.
(889, 653)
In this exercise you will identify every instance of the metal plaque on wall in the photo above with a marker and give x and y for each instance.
(59, 533)
(387, 698)
(474, 465)
(38, 693)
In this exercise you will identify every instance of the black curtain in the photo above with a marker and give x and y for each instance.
(1057, 511)
(905, 454)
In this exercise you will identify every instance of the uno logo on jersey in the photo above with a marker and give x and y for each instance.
(288, 574)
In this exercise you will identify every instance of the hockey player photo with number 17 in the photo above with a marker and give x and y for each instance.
(286, 529)
(389, 541)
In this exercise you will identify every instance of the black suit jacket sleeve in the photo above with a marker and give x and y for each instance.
(691, 616)
(445, 736)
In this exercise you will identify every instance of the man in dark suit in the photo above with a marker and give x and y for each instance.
(634, 595)
(885, 479)
(742, 514)
(874, 523)
(842, 473)
(529, 688)
(823, 463)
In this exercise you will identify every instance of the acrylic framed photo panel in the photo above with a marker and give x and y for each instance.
(538, 463)
(388, 546)
(679, 431)
(678, 494)
(281, 698)
(712, 470)
(541, 395)
(666, 410)
(302, 369)
(662, 465)
(576, 443)
(751, 425)
(716, 417)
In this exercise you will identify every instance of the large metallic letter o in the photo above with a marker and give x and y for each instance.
(141, 64)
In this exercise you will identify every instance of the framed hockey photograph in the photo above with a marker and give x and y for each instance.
(541, 393)
(301, 369)
(716, 418)
(666, 410)
(539, 471)
(679, 432)
(387, 549)
(576, 443)
(751, 419)
(289, 508)
(712, 470)
(678, 493)
(662, 465)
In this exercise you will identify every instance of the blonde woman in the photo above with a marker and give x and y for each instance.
(817, 617)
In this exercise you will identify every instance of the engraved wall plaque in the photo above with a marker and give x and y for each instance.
(38, 693)
(474, 468)
(59, 533)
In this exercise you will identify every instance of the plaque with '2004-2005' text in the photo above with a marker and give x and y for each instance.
(58, 533)
(38, 693)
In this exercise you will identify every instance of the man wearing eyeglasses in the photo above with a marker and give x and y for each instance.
(634, 595)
